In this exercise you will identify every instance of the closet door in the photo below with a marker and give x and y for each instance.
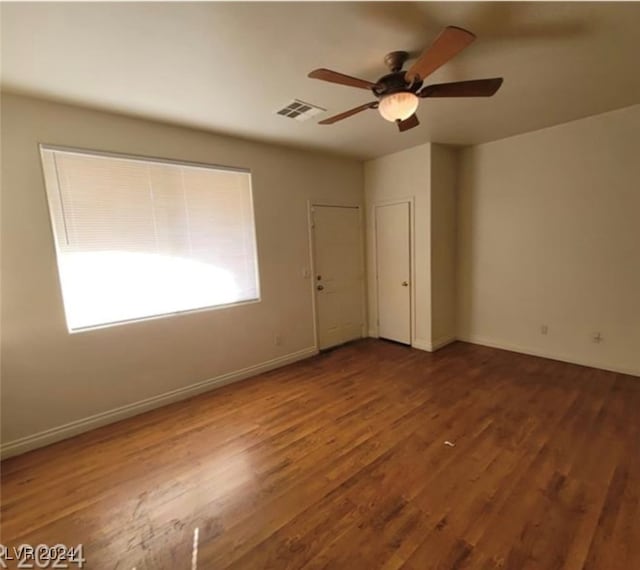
(393, 263)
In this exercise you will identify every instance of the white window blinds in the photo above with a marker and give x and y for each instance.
(137, 238)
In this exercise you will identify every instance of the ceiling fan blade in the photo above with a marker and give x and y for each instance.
(409, 123)
(450, 42)
(340, 78)
(336, 118)
(473, 88)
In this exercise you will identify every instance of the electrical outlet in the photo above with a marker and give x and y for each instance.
(544, 329)
(596, 337)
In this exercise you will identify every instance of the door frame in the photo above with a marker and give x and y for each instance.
(410, 201)
(312, 277)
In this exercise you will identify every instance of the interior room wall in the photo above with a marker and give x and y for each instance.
(444, 172)
(426, 174)
(549, 236)
(54, 383)
(403, 175)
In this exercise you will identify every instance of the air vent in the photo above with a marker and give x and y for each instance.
(300, 111)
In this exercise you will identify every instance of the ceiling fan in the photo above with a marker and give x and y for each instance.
(398, 93)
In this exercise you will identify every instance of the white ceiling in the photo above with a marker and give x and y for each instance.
(227, 67)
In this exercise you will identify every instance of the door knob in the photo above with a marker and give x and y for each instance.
(405, 284)
(320, 287)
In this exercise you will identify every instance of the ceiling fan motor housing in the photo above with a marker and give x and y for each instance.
(395, 83)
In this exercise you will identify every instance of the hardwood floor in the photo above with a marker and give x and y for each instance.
(340, 461)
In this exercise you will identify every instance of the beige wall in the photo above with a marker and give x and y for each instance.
(426, 174)
(549, 234)
(51, 378)
(402, 176)
(444, 172)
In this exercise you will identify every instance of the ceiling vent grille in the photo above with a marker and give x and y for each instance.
(300, 110)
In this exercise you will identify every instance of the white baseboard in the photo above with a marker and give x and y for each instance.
(432, 346)
(442, 342)
(421, 344)
(65, 431)
(551, 355)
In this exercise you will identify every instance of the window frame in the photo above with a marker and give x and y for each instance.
(42, 147)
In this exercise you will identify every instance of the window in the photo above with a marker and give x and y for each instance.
(138, 238)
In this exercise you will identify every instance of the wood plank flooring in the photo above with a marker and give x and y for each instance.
(339, 461)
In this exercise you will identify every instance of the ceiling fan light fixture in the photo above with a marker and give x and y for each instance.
(398, 106)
